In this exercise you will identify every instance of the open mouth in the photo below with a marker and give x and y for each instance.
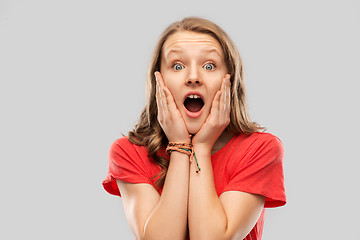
(193, 103)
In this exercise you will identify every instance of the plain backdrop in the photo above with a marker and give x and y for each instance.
(72, 80)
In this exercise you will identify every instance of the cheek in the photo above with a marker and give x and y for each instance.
(171, 85)
(216, 84)
(215, 87)
(172, 81)
(174, 87)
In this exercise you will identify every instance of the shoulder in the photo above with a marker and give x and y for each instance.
(129, 163)
(257, 147)
(124, 143)
(121, 142)
(256, 166)
(258, 140)
(267, 140)
(124, 148)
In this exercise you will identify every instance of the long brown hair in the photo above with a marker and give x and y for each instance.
(148, 131)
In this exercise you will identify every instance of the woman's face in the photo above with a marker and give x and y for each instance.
(193, 67)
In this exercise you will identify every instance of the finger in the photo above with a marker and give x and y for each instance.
(160, 82)
(224, 94)
(157, 94)
(224, 108)
(228, 93)
(170, 100)
(159, 78)
(159, 103)
(160, 100)
(214, 111)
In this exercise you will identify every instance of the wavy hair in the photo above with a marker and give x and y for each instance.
(148, 131)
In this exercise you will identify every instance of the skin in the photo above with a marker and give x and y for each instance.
(193, 53)
(189, 201)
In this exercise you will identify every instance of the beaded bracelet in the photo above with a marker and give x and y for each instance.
(186, 148)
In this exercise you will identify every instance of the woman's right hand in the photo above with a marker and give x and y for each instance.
(169, 115)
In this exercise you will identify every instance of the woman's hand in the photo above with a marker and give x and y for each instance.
(169, 115)
(218, 119)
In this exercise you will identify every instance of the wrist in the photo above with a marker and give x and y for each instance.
(186, 140)
(204, 146)
(203, 150)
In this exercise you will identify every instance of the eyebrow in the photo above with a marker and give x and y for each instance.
(213, 50)
(179, 50)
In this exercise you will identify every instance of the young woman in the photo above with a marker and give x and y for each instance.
(195, 166)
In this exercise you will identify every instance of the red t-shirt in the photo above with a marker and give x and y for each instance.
(248, 163)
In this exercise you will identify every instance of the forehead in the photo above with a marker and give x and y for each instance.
(187, 40)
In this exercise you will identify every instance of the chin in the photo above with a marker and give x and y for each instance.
(193, 132)
(194, 125)
(193, 128)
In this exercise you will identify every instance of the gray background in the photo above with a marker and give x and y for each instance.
(72, 80)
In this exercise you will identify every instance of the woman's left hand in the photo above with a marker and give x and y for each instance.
(218, 119)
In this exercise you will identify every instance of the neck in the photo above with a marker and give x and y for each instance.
(221, 141)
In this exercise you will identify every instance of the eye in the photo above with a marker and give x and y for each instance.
(209, 66)
(177, 66)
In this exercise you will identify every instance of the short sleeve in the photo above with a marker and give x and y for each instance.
(260, 171)
(127, 163)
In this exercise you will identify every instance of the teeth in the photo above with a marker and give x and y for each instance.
(194, 96)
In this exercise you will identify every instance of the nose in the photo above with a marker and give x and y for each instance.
(193, 77)
(190, 82)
